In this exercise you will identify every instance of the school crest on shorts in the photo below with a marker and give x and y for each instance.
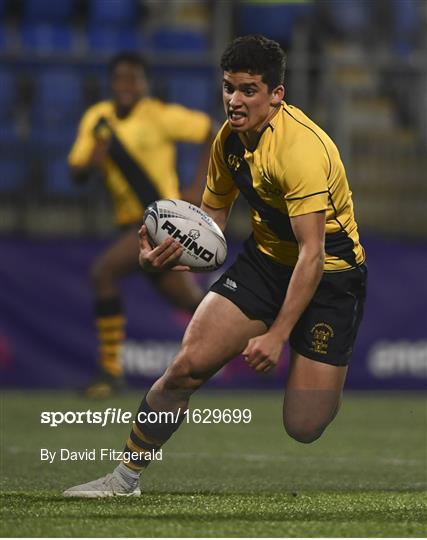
(321, 333)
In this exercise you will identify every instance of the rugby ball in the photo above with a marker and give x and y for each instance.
(205, 248)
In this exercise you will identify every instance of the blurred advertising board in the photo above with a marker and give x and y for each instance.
(47, 334)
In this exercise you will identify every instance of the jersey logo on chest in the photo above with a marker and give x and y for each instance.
(234, 162)
(277, 221)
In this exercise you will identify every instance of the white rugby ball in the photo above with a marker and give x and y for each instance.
(205, 248)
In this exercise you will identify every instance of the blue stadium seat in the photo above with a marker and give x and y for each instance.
(3, 38)
(104, 86)
(188, 159)
(57, 180)
(109, 40)
(59, 88)
(46, 38)
(194, 91)
(275, 21)
(52, 136)
(8, 37)
(406, 25)
(8, 134)
(37, 11)
(13, 174)
(7, 93)
(8, 126)
(170, 39)
(3, 4)
(351, 17)
(113, 12)
(57, 106)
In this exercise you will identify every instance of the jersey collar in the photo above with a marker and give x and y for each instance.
(270, 125)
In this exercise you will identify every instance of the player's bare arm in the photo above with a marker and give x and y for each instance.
(99, 154)
(263, 352)
(193, 193)
(219, 215)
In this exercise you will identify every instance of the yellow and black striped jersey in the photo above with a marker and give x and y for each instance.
(294, 170)
(140, 167)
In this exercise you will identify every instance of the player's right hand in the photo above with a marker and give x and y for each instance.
(263, 352)
(162, 257)
(100, 152)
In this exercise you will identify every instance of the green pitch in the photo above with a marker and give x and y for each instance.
(365, 477)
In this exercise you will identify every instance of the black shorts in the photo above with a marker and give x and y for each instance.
(327, 329)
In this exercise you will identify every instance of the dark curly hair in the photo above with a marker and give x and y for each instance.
(257, 55)
(126, 57)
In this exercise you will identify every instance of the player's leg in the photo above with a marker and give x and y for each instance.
(180, 289)
(119, 260)
(217, 333)
(312, 397)
(321, 346)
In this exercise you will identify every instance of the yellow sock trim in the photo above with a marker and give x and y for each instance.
(110, 336)
(144, 437)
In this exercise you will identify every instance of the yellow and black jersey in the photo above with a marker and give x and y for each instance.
(141, 159)
(294, 170)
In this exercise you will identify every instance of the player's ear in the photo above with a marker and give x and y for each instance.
(277, 95)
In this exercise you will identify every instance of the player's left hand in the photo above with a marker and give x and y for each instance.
(161, 257)
(263, 352)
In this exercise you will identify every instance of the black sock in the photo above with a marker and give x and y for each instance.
(148, 437)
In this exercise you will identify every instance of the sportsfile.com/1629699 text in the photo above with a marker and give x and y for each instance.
(112, 415)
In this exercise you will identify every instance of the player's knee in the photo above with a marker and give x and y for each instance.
(182, 374)
(303, 431)
(100, 274)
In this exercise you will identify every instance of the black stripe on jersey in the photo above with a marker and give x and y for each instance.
(219, 194)
(133, 172)
(339, 244)
(335, 211)
(137, 178)
(275, 220)
(305, 196)
(312, 130)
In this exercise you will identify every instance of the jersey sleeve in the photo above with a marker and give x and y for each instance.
(186, 125)
(305, 179)
(85, 141)
(220, 190)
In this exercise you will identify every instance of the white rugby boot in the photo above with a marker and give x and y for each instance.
(111, 485)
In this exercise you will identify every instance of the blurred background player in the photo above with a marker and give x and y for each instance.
(130, 142)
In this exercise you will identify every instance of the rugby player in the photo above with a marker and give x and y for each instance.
(300, 278)
(130, 140)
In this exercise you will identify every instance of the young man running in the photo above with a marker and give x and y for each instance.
(300, 278)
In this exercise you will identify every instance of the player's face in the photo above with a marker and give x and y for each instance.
(248, 103)
(127, 84)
